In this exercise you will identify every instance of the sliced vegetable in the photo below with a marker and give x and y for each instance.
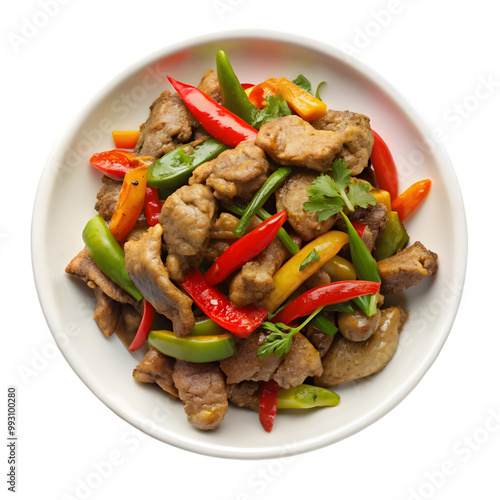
(173, 170)
(305, 84)
(126, 139)
(306, 396)
(241, 321)
(304, 104)
(273, 182)
(144, 327)
(406, 203)
(312, 257)
(115, 164)
(130, 203)
(260, 92)
(214, 118)
(194, 348)
(365, 265)
(244, 249)
(289, 277)
(206, 326)
(339, 269)
(285, 238)
(324, 324)
(268, 403)
(324, 295)
(107, 253)
(392, 239)
(152, 206)
(359, 227)
(384, 166)
(382, 197)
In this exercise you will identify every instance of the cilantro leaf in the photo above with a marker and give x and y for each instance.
(302, 82)
(276, 107)
(312, 257)
(359, 194)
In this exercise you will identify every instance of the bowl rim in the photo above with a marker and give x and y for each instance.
(41, 203)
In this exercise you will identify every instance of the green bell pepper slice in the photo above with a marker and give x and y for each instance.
(306, 396)
(107, 253)
(197, 349)
(392, 239)
(205, 326)
(173, 170)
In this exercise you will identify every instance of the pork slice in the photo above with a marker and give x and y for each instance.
(406, 268)
(245, 365)
(157, 368)
(187, 217)
(235, 172)
(169, 124)
(374, 217)
(300, 362)
(209, 84)
(355, 135)
(291, 197)
(107, 312)
(146, 269)
(202, 389)
(107, 197)
(318, 338)
(245, 394)
(290, 140)
(82, 266)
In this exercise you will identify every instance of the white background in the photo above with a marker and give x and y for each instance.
(442, 441)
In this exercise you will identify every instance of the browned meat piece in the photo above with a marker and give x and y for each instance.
(145, 267)
(407, 268)
(187, 218)
(347, 360)
(82, 266)
(318, 338)
(107, 312)
(290, 140)
(357, 326)
(210, 85)
(131, 319)
(107, 197)
(170, 123)
(300, 362)
(356, 136)
(245, 394)
(255, 279)
(245, 365)
(319, 278)
(235, 172)
(203, 391)
(291, 197)
(157, 368)
(374, 217)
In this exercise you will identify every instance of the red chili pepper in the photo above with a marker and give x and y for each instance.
(214, 118)
(245, 249)
(247, 85)
(114, 163)
(144, 327)
(152, 206)
(240, 321)
(268, 403)
(359, 226)
(384, 166)
(408, 201)
(324, 295)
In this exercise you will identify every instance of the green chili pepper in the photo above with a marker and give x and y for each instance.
(234, 96)
(261, 196)
(197, 349)
(365, 265)
(325, 325)
(173, 170)
(285, 238)
(392, 239)
(306, 396)
(107, 253)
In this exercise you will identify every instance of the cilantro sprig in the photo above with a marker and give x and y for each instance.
(329, 194)
(279, 341)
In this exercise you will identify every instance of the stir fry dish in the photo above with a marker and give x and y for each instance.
(245, 240)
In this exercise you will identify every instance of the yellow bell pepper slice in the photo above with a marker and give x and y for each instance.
(383, 197)
(339, 269)
(304, 104)
(289, 277)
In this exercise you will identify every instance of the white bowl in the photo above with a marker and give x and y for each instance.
(65, 200)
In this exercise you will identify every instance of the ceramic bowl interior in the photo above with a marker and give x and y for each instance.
(66, 198)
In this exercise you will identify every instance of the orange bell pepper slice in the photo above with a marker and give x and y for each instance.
(257, 95)
(130, 202)
(125, 139)
(406, 203)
